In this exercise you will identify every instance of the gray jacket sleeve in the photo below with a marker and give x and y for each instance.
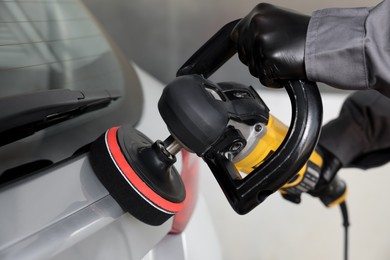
(350, 48)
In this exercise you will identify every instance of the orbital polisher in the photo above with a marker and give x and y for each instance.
(250, 152)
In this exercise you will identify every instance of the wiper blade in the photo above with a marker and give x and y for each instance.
(23, 115)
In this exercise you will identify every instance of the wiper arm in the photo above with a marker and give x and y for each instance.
(23, 115)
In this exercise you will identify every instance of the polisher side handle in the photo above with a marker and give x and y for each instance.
(212, 55)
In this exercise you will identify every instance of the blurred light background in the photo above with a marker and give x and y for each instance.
(159, 36)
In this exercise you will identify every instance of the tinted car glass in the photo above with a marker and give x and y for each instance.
(53, 45)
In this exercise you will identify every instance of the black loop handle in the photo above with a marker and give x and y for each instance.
(295, 150)
(212, 55)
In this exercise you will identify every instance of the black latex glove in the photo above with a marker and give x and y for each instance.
(330, 189)
(271, 42)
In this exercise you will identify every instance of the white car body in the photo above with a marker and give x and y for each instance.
(60, 210)
(66, 213)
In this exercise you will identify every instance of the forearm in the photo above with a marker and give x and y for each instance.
(350, 48)
(360, 136)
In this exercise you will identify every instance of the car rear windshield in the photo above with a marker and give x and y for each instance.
(47, 45)
(63, 82)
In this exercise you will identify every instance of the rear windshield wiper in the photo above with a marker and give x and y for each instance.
(23, 115)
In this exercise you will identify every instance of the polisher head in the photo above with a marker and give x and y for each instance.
(138, 173)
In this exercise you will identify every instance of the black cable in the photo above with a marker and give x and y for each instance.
(344, 213)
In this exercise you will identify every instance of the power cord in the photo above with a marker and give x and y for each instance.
(344, 213)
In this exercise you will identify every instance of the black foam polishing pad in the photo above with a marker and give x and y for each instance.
(138, 174)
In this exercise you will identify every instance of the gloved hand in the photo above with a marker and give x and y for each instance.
(320, 182)
(330, 189)
(271, 42)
